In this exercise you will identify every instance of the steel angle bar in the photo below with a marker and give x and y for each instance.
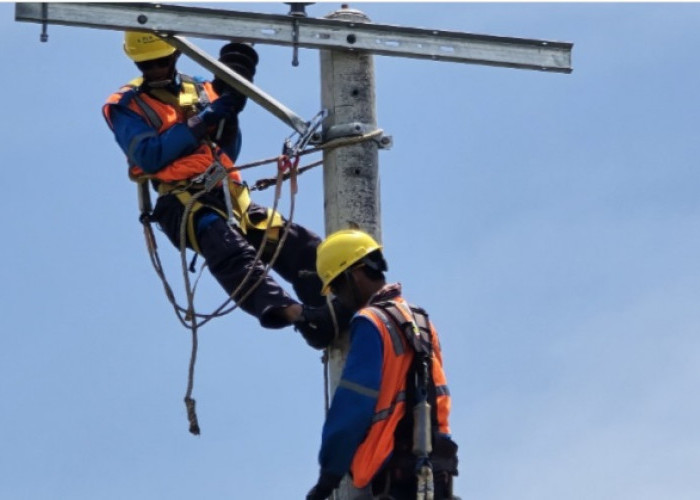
(239, 83)
(329, 34)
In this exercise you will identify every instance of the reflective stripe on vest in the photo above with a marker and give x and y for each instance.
(382, 414)
(442, 390)
(358, 388)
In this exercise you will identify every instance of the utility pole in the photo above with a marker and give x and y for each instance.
(347, 41)
(351, 173)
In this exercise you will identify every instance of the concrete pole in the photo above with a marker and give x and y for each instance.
(351, 173)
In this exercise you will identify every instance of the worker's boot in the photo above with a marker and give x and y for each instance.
(316, 324)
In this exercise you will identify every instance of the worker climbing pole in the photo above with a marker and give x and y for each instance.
(347, 39)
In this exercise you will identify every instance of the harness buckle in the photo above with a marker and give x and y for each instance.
(212, 176)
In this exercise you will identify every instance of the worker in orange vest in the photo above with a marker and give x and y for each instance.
(172, 128)
(388, 423)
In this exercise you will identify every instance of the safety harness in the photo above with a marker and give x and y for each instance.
(192, 98)
(413, 323)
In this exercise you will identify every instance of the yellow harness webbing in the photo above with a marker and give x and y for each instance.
(190, 96)
(240, 196)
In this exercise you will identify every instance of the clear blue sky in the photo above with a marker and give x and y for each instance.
(549, 223)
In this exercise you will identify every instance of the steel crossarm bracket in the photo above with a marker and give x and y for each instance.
(239, 83)
(329, 34)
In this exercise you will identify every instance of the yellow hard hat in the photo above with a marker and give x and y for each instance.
(341, 250)
(142, 46)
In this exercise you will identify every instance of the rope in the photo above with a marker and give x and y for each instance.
(188, 316)
(326, 370)
(332, 144)
(192, 317)
(293, 189)
(264, 184)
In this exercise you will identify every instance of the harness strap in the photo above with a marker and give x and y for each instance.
(185, 197)
(391, 327)
(191, 98)
(183, 191)
(413, 323)
(150, 114)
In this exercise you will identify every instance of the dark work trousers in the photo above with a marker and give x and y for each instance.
(230, 255)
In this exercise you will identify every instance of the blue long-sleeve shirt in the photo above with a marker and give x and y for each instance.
(350, 415)
(148, 149)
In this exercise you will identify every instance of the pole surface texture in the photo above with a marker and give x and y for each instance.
(350, 174)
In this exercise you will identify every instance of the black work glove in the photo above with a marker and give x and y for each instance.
(221, 109)
(316, 323)
(241, 58)
(324, 487)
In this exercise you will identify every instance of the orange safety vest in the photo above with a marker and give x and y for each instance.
(161, 116)
(391, 407)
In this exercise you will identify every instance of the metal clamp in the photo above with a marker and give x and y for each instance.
(352, 129)
(308, 137)
(355, 129)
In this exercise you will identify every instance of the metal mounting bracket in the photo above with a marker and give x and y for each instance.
(355, 129)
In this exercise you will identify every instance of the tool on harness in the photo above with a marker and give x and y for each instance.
(217, 175)
(144, 197)
(422, 429)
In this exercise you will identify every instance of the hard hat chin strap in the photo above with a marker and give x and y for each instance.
(354, 289)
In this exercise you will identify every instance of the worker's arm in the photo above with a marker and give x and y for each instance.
(152, 151)
(144, 146)
(353, 406)
(234, 140)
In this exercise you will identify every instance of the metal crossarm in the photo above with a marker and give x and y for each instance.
(331, 34)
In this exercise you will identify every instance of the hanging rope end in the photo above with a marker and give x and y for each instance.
(192, 416)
